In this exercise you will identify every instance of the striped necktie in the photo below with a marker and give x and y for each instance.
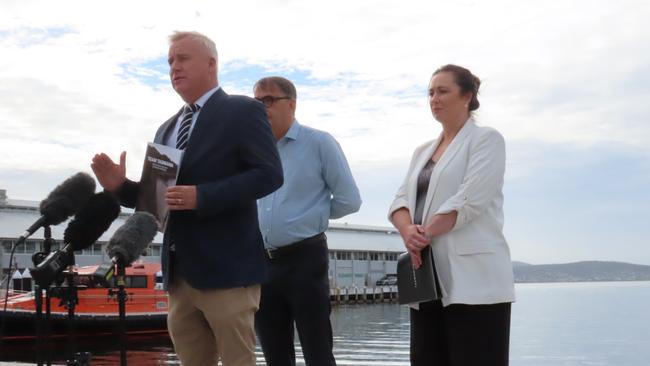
(186, 122)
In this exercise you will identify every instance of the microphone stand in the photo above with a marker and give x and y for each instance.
(121, 296)
(70, 300)
(38, 300)
(48, 322)
(38, 322)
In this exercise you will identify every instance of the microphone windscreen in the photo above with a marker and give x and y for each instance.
(94, 218)
(132, 238)
(67, 198)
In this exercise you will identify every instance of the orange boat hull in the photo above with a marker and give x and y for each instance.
(97, 310)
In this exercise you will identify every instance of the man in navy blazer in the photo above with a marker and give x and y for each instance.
(213, 254)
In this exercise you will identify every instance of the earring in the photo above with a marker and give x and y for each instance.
(466, 105)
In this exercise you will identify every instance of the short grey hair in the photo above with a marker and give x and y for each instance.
(285, 85)
(207, 42)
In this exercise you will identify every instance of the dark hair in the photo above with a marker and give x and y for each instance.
(467, 82)
(285, 85)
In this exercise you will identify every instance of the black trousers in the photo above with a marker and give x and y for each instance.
(460, 335)
(297, 293)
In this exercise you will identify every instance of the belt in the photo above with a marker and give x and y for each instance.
(294, 247)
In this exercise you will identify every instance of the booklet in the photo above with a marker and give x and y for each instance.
(159, 171)
(415, 285)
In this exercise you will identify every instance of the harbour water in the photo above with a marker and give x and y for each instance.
(562, 324)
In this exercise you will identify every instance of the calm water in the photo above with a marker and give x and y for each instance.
(552, 325)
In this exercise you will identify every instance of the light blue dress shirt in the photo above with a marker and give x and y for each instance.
(318, 186)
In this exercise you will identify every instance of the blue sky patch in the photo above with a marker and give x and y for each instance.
(245, 75)
(27, 37)
(154, 72)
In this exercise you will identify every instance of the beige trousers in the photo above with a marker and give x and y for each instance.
(208, 325)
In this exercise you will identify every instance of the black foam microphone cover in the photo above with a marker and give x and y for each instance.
(132, 238)
(67, 198)
(94, 218)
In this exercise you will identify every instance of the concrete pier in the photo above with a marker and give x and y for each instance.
(363, 295)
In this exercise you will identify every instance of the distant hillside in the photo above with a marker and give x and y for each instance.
(580, 272)
(519, 264)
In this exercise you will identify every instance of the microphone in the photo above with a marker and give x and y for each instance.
(132, 238)
(66, 199)
(94, 218)
(91, 221)
(127, 244)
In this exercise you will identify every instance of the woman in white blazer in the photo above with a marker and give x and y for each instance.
(452, 200)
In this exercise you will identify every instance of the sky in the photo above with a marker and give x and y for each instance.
(565, 82)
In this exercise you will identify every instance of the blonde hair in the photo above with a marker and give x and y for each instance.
(205, 41)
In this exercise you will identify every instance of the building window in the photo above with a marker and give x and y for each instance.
(136, 281)
(155, 250)
(20, 248)
(31, 246)
(97, 249)
(6, 245)
(361, 256)
(132, 282)
(346, 256)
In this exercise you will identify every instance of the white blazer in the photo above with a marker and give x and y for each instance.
(472, 260)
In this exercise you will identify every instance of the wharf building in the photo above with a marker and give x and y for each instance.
(359, 255)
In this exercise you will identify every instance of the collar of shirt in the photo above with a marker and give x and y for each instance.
(204, 98)
(292, 133)
(171, 139)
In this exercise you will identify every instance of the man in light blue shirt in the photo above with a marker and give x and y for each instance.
(318, 186)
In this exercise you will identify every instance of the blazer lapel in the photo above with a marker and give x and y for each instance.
(166, 128)
(446, 157)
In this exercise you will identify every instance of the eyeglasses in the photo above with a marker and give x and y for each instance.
(269, 100)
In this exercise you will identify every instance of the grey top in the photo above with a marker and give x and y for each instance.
(422, 188)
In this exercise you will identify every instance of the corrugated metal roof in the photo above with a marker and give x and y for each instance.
(18, 215)
(15, 219)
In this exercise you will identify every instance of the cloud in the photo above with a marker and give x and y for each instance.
(544, 67)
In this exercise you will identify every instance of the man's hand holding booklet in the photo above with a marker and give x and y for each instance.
(159, 171)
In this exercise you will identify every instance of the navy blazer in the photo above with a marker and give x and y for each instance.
(232, 159)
